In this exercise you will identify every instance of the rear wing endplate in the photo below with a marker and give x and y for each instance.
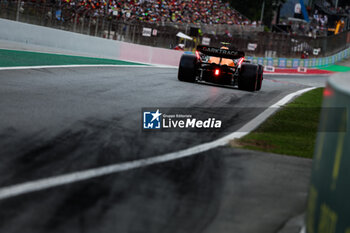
(217, 52)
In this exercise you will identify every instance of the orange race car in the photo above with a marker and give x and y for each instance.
(220, 65)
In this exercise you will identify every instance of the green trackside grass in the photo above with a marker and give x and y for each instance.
(11, 58)
(290, 131)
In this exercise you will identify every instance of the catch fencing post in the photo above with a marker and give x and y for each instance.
(75, 21)
(89, 25)
(18, 7)
(97, 22)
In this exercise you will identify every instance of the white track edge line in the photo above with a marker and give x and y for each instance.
(45, 183)
(79, 66)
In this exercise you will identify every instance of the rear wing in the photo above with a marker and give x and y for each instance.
(217, 52)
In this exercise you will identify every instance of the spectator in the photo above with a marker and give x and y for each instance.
(304, 55)
(173, 11)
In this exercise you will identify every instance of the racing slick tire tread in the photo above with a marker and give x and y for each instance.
(260, 77)
(187, 68)
(248, 77)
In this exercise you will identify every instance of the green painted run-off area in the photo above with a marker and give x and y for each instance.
(11, 58)
(336, 68)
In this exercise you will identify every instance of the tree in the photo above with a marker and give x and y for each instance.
(252, 8)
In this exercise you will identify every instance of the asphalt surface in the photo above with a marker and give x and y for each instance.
(55, 121)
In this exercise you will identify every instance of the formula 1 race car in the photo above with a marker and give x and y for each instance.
(222, 66)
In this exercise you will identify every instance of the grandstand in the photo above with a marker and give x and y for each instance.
(338, 14)
(173, 11)
(156, 23)
(325, 17)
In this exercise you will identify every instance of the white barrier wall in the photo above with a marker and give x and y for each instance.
(99, 47)
(84, 44)
(147, 54)
(54, 38)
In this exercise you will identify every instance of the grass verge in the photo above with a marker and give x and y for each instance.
(11, 58)
(291, 131)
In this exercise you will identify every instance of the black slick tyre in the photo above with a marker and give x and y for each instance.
(187, 68)
(248, 77)
(260, 77)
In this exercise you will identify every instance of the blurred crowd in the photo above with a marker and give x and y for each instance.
(336, 10)
(152, 11)
(342, 10)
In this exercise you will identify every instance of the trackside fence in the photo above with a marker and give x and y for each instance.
(163, 34)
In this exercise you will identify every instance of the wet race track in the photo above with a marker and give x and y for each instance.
(64, 120)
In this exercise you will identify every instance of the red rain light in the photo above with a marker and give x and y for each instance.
(217, 72)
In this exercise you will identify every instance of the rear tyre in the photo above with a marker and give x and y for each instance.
(187, 68)
(260, 77)
(248, 77)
